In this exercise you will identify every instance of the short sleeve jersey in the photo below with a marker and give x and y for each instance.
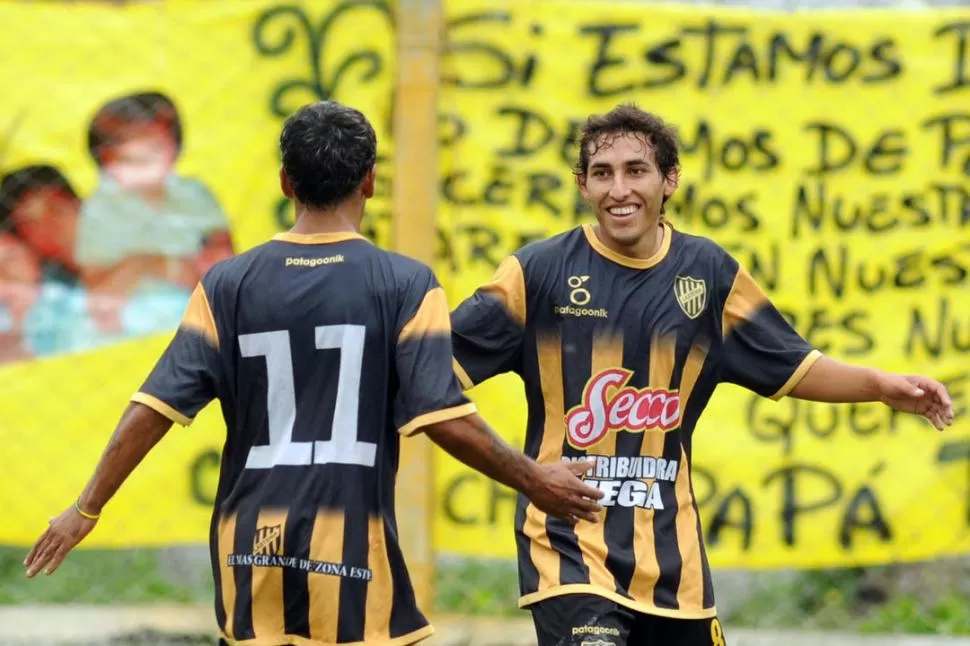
(322, 351)
(619, 357)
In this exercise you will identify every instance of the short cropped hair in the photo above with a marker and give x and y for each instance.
(628, 119)
(327, 150)
(17, 183)
(110, 124)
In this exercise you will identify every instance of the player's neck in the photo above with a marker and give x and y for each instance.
(342, 218)
(645, 247)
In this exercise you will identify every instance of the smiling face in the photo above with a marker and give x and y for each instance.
(626, 191)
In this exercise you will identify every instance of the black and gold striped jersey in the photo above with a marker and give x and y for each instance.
(322, 351)
(619, 357)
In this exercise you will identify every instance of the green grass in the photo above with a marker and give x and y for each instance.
(96, 577)
(845, 600)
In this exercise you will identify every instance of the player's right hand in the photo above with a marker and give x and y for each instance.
(558, 491)
(64, 532)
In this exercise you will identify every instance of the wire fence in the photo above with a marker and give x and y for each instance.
(836, 142)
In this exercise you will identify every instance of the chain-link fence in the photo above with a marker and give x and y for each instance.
(828, 151)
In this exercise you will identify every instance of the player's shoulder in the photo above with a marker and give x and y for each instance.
(697, 248)
(407, 272)
(405, 267)
(549, 250)
(230, 271)
(703, 258)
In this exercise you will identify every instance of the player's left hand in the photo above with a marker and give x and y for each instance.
(918, 395)
(63, 533)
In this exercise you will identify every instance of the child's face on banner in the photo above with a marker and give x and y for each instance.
(46, 218)
(19, 275)
(142, 157)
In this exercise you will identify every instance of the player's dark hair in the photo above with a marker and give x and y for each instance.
(327, 150)
(601, 130)
(16, 184)
(107, 125)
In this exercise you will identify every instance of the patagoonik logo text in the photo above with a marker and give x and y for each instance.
(609, 405)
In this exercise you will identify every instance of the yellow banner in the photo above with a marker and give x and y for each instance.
(830, 152)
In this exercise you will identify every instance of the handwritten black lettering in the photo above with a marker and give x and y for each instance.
(734, 512)
(818, 209)
(451, 129)
(445, 250)
(781, 423)
(661, 55)
(847, 332)
(322, 80)
(714, 212)
(843, 270)
(950, 141)
(886, 62)
(532, 132)
(830, 136)
(449, 500)
(744, 59)
(863, 504)
(754, 152)
(764, 264)
(710, 33)
(794, 505)
(449, 188)
(483, 244)
(204, 477)
(540, 185)
(837, 150)
(729, 56)
(886, 154)
(957, 451)
(937, 331)
(474, 64)
(604, 60)
(499, 501)
(498, 190)
(842, 56)
(780, 44)
(961, 61)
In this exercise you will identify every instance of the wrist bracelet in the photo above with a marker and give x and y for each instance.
(77, 508)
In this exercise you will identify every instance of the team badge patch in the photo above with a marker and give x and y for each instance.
(268, 541)
(691, 295)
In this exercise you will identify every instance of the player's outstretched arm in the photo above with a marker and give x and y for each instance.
(553, 488)
(829, 380)
(139, 429)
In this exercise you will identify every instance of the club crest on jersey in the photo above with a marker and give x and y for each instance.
(691, 295)
(268, 541)
(609, 405)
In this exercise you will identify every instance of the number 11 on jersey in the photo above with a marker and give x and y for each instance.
(343, 446)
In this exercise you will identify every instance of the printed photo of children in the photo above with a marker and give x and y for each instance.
(78, 273)
(146, 234)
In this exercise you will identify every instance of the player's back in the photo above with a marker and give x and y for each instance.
(314, 345)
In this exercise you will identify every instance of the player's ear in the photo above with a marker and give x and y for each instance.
(370, 180)
(671, 181)
(285, 184)
(581, 183)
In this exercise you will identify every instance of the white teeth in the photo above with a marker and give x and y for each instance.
(622, 210)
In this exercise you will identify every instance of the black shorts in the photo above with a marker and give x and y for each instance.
(590, 620)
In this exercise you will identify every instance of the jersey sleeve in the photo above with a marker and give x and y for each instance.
(488, 327)
(428, 390)
(762, 352)
(183, 381)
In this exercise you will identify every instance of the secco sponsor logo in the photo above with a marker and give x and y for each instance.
(313, 262)
(608, 405)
